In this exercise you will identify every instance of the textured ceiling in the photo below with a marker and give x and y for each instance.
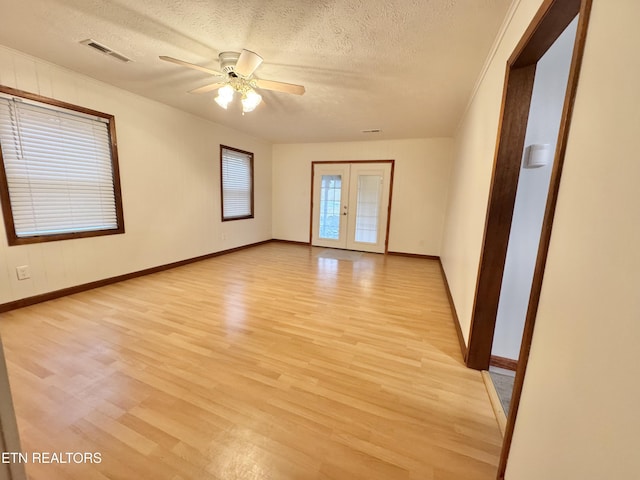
(406, 67)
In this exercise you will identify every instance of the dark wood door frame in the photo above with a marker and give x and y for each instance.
(550, 21)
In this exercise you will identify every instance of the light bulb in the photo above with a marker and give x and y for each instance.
(250, 100)
(222, 102)
(225, 95)
(226, 92)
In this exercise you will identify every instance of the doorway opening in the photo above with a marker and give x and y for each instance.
(351, 204)
(551, 20)
(543, 124)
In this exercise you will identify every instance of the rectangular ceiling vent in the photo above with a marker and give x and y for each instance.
(104, 49)
(371, 130)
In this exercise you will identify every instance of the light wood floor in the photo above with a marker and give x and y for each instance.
(269, 363)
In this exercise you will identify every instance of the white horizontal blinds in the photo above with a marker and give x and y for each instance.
(236, 184)
(58, 167)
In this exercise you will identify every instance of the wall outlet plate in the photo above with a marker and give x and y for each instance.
(23, 272)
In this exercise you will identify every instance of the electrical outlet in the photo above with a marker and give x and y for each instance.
(23, 272)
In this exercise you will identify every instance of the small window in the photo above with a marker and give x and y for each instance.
(59, 177)
(236, 183)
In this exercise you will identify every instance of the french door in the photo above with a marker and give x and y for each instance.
(351, 205)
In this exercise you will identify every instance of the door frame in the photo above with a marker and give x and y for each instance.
(9, 436)
(547, 25)
(329, 162)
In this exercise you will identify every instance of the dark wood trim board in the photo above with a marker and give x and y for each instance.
(502, 362)
(454, 313)
(414, 255)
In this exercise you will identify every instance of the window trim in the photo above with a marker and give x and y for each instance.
(5, 199)
(243, 217)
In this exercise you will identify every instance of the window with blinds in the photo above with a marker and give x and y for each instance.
(237, 183)
(59, 176)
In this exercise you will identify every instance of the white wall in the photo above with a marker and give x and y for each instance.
(578, 417)
(543, 124)
(169, 169)
(420, 186)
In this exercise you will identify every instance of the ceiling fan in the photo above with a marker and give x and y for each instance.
(237, 76)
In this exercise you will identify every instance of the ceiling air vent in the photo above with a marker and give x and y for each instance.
(371, 130)
(104, 49)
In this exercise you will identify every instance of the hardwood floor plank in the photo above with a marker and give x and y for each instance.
(266, 363)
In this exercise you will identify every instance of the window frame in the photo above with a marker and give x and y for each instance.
(5, 199)
(251, 198)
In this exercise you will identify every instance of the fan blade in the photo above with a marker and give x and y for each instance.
(207, 88)
(191, 65)
(247, 63)
(280, 86)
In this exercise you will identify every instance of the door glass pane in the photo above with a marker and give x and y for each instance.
(368, 208)
(330, 201)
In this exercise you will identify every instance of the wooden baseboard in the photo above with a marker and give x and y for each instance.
(496, 405)
(44, 297)
(291, 242)
(454, 313)
(414, 255)
(502, 362)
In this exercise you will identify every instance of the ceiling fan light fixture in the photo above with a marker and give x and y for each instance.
(223, 102)
(250, 100)
(238, 76)
(225, 95)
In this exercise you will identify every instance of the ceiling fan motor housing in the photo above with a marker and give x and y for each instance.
(228, 61)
